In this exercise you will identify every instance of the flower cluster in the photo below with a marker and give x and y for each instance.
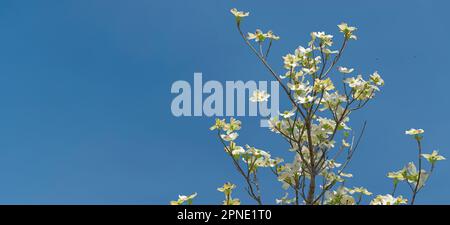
(322, 95)
(319, 113)
(413, 176)
(362, 89)
(346, 196)
(228, 128)
(251, 156)
(388, 200)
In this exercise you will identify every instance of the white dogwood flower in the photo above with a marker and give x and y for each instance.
(305, 99)
(227, 188)
(302, 51)
(345, 69)
(300, 87)
(397, 175)
(413, 131)
(230, 136)
(259, 96)
(361, 190)
(325, 39)
(347, 200)
(323, 85)
(239, 14)
(259, 36)
(412, 175)
(290, 61)
(310, 70)
(272, 36)
(433, 157)
(238, 150)
(184, 199)
(355, 82)
(220, 123)
(287, 114)
(347, 30)
(376, 79)
(329, 51)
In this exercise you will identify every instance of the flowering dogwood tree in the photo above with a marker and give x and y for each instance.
(315, 127)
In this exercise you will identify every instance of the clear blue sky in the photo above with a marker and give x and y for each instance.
(85, 94)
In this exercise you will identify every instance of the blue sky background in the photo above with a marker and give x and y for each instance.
(85, 94)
